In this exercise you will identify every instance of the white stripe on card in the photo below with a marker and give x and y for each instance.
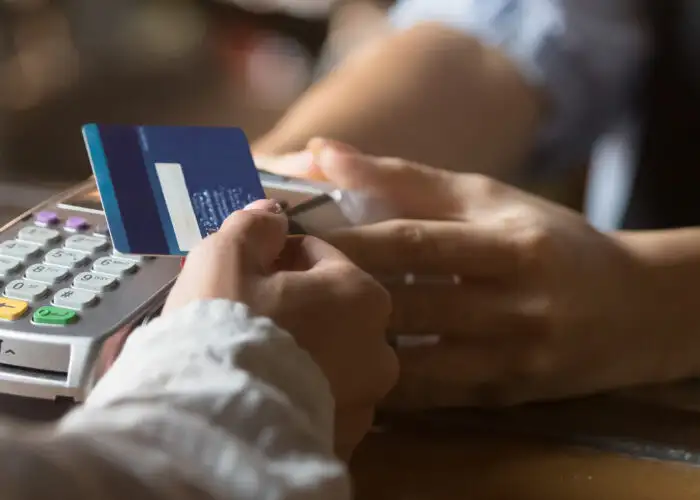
(177, 200)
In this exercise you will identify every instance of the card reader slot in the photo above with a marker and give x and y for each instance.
(48, 375)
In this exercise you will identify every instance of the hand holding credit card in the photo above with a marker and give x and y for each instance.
(165, 188)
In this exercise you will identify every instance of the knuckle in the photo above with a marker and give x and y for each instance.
(407, 231)
(345, 278)
(534, 245)
(536, 318)
(365, 291)
(485, 186)
(411, 239)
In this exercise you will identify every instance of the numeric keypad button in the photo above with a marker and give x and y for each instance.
(94, 282)
(66, 258)
(72, 298)
(9, 266)
(114, 266)
(20, 250)
(86, 243)
(46, 273)
(40, 235)
(25, 290)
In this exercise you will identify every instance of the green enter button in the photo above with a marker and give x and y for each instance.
(50, 315)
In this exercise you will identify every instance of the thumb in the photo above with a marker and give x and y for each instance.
(410, 189)
(301, 163)
(258, 233)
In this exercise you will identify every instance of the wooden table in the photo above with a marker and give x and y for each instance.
(434, 465)
(595, 449)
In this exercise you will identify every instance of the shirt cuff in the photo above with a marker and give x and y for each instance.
(208, 352)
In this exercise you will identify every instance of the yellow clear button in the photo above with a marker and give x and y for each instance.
(11, 309)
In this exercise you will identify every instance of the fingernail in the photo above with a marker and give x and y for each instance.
(271, 206)
(324, 155)
(328, 153)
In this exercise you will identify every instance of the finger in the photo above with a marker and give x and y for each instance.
(471, 311)
(445, 376)
(412, 190)
(317, 144)
(259, 232)
(313, 253)
(301, 163)
(428, 247)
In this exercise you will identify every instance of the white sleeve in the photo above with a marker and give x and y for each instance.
(588, 56)
(206, 403)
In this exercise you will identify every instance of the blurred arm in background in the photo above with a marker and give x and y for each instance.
(488, 87)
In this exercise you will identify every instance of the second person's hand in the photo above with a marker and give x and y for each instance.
(546, 306)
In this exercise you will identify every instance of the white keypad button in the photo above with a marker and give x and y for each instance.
(94, 282)
(19, 249)
(114, 266)
(9, 266)
(72, 298)
(46, 273)
(25, 290)
(65, 258)
(39, 235)
(86, 243)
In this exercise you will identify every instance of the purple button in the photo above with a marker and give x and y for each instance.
(76, 224)
(47, 218)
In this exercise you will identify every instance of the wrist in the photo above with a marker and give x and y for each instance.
(667, 307)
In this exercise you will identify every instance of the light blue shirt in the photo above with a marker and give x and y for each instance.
(588, 56)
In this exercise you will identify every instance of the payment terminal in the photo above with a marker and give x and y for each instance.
(68, 300)
(65, 293)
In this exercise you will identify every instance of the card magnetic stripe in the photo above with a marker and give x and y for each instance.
(157, 193)
(127, 192)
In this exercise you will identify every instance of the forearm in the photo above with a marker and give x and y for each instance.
(430, 94)
(670, 303)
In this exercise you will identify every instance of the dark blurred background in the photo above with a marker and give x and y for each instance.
(225, 62)
(65, 62)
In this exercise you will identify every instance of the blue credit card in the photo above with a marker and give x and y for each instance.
(163, 189)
